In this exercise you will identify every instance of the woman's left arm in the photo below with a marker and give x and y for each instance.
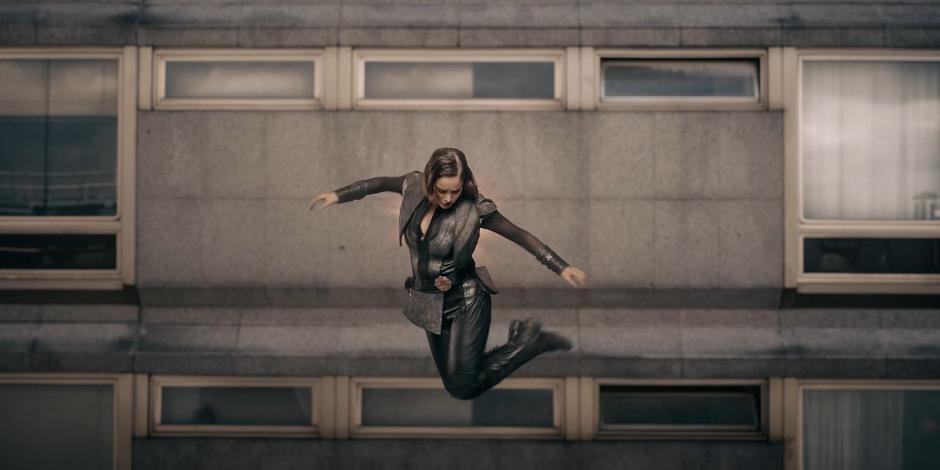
(496, 222)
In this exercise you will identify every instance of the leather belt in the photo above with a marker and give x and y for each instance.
(440, 283)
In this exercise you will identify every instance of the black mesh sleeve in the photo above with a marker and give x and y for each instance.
(501, 225)
(362, 188)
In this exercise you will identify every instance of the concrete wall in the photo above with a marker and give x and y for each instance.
(644, 199)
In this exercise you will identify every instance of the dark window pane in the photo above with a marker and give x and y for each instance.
(65, 251)
(871, 255)
(624, 77)
(871, 429)
(247, 80)
(431, 407)
(682, 407)
(460, 80)
(277, 406)
(56, 426)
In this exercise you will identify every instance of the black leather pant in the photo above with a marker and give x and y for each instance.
(468, 371)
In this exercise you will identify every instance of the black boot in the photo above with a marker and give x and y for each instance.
(525, 343)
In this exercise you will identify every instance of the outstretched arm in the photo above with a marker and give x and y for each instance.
(359, 190)
(496, 222)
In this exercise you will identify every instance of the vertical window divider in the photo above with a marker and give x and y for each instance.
(127, 166)
(773, 425)
(573, 78)
(141, 405)
(590, 73)
(792, 409)
(345, 79)
(345, 401)
(588, 396)
(571, 426)
(326, 403)
(791, 203)
(145, 78)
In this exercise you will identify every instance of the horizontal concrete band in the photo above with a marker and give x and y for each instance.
(452, 454)
(608, 341)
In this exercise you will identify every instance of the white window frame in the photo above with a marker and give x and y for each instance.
(318, 407)
(798, 228)
(161, 56)
(768, 389)
(685, 102)
(122, 406)
(794, 441)
(357, 384)
(122, 224)
(555, 55)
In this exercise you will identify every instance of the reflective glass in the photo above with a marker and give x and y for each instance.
(273, 406)
(240, 80)
(871, 140)
(685, 78)
(871, 255)
(737, 407)
(58, 137)
(433, 407)
(460, 80)
(57, 251)
(871, 429)
(56, 426)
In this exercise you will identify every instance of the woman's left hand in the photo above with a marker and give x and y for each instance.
(574, 276)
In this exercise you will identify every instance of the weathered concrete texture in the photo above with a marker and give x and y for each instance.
(454, 454)
(648, 200)
(462, 23)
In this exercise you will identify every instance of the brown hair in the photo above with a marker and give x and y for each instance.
(447, 162)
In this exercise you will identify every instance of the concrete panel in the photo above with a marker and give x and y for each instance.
(634, 36)
(832, 37)
(399, 37)
(906, 318)
(842, 368)
(84, 36)
(14, 34)
(233, 241)
(831, 343)
(833, 15)
(733, 16)
(290, 16)
(191, 16)
(20, 313)
(735, 368)
(189, 340)
(909, 15)
(830, 318)
(399, 15)
(106, 15)
(687, 154)
(911, 343)
(911, 37)
(398, 340)
(518, 16)
(299, 152)
(90, 313)
(186, 37)
(287, 37)
(85, 337)
(686, 244)
(233, 160)
(750, 243)
(648, 334)
(169, 155)
(620, 148)
(184, 363)
(80, 362)
(621, 244)
(750, 155)
(516, 37)
(628, 16)
(169, 241)
(744, 37)
(191, 316)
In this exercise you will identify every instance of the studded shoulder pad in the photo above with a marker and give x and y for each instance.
(485, 206)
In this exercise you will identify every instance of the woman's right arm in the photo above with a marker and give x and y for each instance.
(359, 190)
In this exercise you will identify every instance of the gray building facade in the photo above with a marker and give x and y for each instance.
(740, 312)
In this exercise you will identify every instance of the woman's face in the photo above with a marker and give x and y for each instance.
(447, 190)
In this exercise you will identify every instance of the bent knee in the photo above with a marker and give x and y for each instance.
(462, 388)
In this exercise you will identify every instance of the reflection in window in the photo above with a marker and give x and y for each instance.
(58, 137)
(680, 407)
(872, 255)
(58, 251)
(274, 406)
(871, 429)
(240, 80)
(685, 78)
(434, 407)
(871, 140)
(459, 80)
(57, 426)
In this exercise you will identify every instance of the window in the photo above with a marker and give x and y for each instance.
(869, 425)
(67, 139)
(717, 409)
(238, 79)
(458, 79)
(233, 406)
(422, 408)
(867, 189)
(697, 79)
(51, 421)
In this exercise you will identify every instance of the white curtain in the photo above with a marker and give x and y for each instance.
(870, 138)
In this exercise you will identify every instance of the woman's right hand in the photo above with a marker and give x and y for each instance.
(328, 199)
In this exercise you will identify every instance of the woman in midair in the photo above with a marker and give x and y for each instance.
(440, 219)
